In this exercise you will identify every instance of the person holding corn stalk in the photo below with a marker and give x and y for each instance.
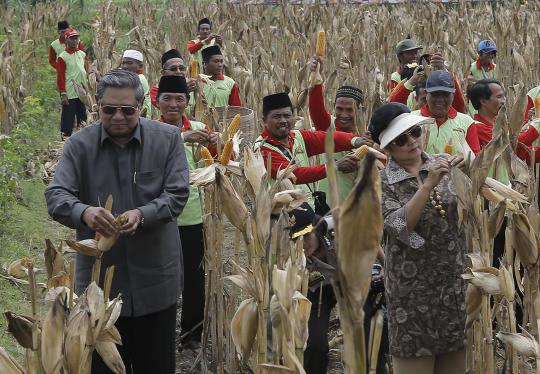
(172, 99)
(425, 248)
(204, 39)
(142, 165)
(59, 45)
(133, 60)
(223, 90)
(172, 63)
(406, 92)
(287, 146)
(71, 68)
(452, 132)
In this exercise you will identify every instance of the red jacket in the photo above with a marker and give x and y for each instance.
(400, 94)
(314, 141)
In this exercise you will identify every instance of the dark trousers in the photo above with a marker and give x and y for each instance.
(147, 344)
(75, 109)
(316, 353)
(193, 294)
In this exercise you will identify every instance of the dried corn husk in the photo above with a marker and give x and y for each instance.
(486, 279)
(8, 365)
(21, 328)
(525, 241)
(244, 326)
(254, 169)
(19, 268)
(289, 199)
(111, 357)
(233, 206)
(473, 304)
(88, 247)
(524, 343)
(52, 336)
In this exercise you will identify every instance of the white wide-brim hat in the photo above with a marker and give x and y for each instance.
(399, 125)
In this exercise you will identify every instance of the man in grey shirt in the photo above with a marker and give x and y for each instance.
(142, 164)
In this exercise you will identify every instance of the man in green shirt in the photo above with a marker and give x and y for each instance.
(132, 60)
(172, 100)
(224, 90)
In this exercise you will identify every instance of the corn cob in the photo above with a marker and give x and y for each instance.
(448, 148)
(233, 127)
(206, 156)
(194, 69)
(321, 44)
(226, 153)
(361, 152)
(537, 107)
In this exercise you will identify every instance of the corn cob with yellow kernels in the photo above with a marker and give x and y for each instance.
(361, 152)
(537, 107)
(321, 44)
(194, 69)
(226, 153)
(233, 127)
(206, 156)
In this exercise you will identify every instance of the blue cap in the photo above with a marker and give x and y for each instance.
(486, 46)
(440, 80)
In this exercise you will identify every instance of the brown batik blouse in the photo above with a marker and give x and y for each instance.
(424, 291)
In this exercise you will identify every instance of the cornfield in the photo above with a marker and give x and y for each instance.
(261, 280)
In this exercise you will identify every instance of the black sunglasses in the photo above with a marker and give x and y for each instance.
(127, 110)
(414, 132)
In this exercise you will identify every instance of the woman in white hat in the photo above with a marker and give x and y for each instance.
(425, 248)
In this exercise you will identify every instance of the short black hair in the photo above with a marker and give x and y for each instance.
(480, 90)
(382, 117)
(421, 84)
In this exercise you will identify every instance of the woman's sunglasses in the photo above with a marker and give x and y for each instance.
(127, 110)
(414, 132)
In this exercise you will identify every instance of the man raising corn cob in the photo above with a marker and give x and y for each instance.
(172, 98)
(287, 146)
(204, 39)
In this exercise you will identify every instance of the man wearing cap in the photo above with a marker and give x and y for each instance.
(71, 66)
(132, 60)
(287, 146)
(204, 39)
(59, 45)
(172, 99)
(483, 67)
(407, 53)
(224, 90)
(406, 93)
(173, 64)
(451, 128)
(142, 164)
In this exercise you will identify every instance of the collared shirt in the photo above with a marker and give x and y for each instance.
(453, 121)
(425, 293)
(150, 173)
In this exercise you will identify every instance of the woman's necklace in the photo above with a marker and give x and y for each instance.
(436, 201)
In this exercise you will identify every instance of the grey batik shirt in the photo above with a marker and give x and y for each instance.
(150, 173)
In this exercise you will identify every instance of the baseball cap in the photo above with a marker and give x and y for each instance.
(486, 46)
(71, 32)
(407, 45)
(440, 80)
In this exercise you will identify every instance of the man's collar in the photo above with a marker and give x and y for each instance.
(135, 136)
(452, 113)
(140, 71)
(186, 124)
(270, 139)
(491, 65)
(480, 118)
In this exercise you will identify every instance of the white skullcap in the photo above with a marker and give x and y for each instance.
(131, 53)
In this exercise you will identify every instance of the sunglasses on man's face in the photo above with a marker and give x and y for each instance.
(414, 132)
(127, 110)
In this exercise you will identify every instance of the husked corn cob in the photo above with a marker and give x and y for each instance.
(206, 156)
(194, 69)
(226, 153)
(321, 44)
(361, 152)
(233, 127)
(537, 107)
